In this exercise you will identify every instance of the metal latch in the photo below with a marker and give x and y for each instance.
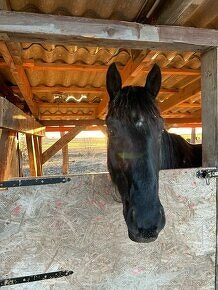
(33, 181)
(207, 174)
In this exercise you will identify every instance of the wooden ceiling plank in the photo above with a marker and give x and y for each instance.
(5, 5)
(45, 28)
(175, 10)
(20, 77)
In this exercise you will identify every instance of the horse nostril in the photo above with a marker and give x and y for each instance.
(148, 233)
(133, 216)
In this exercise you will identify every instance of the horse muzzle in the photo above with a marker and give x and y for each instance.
(143, 237)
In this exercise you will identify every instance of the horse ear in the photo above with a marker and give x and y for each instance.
(113, 81)
(153, 81)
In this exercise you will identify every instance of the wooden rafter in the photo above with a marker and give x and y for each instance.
(192, 120)
(183, 96)
(81, 31)
(64, 140)
(79, 90)
(177, 115)
(19, 75)
(42, 66)
(73, 122)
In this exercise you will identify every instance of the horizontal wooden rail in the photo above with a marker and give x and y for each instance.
(44, 28)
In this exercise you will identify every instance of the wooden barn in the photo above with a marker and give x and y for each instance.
(54, 56)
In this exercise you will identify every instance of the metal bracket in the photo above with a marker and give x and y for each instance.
(33, 278)
(207, 174)
(33, 181)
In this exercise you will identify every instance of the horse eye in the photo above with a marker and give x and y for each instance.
(111, 132)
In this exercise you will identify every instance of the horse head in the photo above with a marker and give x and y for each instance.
(134, 152)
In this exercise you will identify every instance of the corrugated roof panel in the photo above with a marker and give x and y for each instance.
(66, 79)
(113, 9)
(74, 54)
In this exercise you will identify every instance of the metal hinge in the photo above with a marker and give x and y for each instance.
(33, 181)
(207, 174)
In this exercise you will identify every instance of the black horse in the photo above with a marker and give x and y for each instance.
(138, 147)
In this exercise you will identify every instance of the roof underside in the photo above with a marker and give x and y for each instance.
(68, 81)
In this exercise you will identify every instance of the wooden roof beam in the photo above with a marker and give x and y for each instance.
(181, 121)
(11, 117)
(43, 28)
(20, 77)
(91, 122)
(78, 90)
(41, 66)
(183, 96)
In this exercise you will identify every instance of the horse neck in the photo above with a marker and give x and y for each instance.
(167, 151)
(175, 152)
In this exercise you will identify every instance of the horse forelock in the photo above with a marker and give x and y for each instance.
(133, 105)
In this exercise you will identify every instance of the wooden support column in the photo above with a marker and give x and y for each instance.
(65, 164)
(31, 155)
(193, 135)
(209, 70)
(7, 149)
(38, 153)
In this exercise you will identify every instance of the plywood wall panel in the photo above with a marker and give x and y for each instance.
(78, 226)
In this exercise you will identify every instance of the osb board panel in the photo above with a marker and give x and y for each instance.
(77, 226)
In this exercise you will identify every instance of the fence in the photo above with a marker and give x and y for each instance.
(86, 155)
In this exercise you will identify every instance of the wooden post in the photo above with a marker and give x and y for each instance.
(51, 151)
(31, 154)
(38, 155)
(209, 69)
(7, 149)
(65, 164)
(193, 135)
